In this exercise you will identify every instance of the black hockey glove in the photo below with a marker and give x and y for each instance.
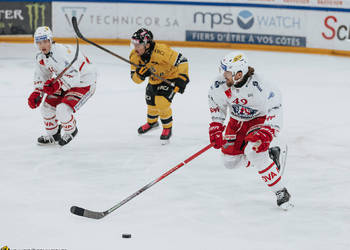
(180, 83)
(143, 72)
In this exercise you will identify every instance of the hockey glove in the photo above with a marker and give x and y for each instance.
(262, 138)
(51, 88)
(180, 83)
(215, 134)
(143, 72)
(34, 99)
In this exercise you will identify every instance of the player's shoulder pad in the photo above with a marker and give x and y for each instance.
(162, 50)
(217, 82)
(256, 83)
(39, 56)
(63, 48)
(134, 57)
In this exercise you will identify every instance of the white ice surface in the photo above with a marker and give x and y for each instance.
(200, 206)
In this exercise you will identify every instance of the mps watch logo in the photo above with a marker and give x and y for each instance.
(36, 14)
(69, 12)
(245, 19)
(5, 248)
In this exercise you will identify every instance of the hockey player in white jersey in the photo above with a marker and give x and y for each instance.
(255, 111)
(65, 96)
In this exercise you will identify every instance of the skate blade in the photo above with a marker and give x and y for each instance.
(46, 144)
(286, 206)
(164, 142)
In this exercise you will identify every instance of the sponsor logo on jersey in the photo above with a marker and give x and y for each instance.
(243, 112)
(228, 93)
(218, 83)
(213, 110)
(256, 84)
(270, 117)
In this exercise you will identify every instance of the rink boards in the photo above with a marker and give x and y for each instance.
(311, 27)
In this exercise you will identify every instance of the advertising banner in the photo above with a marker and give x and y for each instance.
(22, 18)
(176, 23)
(329, 30)
(115, 20)
(303, 3)
(200, 23)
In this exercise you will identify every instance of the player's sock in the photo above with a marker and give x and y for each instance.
(53, 130)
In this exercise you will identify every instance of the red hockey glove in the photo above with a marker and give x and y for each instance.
(215, 134)
(262, 137)
(50, 88)
(34, 99)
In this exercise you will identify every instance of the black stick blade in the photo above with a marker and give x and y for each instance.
(86, 213)
(75, 27)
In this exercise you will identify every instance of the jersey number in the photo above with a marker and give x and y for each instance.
(240, 101)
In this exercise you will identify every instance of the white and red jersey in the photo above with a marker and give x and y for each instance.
(81, 74)
(254, 99)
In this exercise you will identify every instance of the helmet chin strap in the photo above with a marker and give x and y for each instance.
(239, 83)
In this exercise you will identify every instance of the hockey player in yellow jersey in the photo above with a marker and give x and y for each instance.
(160, 59)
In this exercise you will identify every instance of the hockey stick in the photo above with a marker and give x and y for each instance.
(64, 70)
(98, 215)
(77, 31)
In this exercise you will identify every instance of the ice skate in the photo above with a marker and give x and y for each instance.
(147, 127)
(283, 198)
(67, 137)
(165, 136)
(50, 139)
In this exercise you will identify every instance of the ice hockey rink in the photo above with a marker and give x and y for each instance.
(202, 205)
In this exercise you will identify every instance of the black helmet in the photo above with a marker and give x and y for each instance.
(142, 36)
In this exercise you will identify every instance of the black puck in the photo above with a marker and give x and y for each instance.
(126, 235)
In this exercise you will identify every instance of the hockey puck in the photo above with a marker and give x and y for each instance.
(126, 236)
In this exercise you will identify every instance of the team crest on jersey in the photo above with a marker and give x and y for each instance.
(243, 112)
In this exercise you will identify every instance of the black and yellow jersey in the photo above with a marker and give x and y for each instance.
(164, 61)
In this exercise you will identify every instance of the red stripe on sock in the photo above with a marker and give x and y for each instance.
(50, 118)
(272, 184)
(68, 121)
(263, 171)
(51, 128)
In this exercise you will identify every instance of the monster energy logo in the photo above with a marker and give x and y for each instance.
(35, 11)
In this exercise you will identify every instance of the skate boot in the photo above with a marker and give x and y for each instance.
(283, 198)
(147, 127)
(165, 136)
(50, 139)
(67, 137)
